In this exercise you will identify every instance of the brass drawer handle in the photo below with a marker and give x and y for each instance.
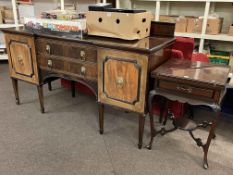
(20, 60)
(185, 89)
(83, 71)
(48, 49)
(50, 63)
(83, 55)
(119, 82)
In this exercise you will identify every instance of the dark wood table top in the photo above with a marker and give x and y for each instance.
(208, 73)
(146, 46)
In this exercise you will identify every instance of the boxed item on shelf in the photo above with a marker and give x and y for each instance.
(128, 26)
(220, 56)
(62, 15)
(8, 14)
(181, 22)
(1, 16)
(231, 30)
(73, 26)
(214, 24)
(192, 25)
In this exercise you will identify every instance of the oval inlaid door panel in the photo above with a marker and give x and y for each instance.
(21, 58)
(121, 80)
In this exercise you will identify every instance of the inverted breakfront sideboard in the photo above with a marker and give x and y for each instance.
(117, 71)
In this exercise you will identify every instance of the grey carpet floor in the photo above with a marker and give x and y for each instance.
(65, 140)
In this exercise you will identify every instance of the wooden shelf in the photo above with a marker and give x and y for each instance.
(191, 35)
(219, 37)
(3, 57)
(2, 26)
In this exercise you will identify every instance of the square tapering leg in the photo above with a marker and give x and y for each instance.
(41, 97)
(16, 90)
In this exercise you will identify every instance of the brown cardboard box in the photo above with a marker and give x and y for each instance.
(128, 26)
(231, 62)
(166, 18)
(8, 14)
(192, 25)
(214, 26)
(181, 22)
(2, 7)
(231, 32)
(1, 16)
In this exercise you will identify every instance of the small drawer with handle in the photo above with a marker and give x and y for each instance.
(56, 64)
(185, 89)
(82, 52)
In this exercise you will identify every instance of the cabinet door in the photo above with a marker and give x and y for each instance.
(22, 59)
(122, 79)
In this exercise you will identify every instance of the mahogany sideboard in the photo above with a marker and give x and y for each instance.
(117, 71)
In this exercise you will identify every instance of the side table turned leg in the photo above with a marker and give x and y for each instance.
(16, 90)
(41, 97)
(210, 137)
(141, 129)
(101, 118)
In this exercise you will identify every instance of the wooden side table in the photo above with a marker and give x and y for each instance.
(194, 83)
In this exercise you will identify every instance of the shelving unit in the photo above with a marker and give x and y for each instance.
(209, 5)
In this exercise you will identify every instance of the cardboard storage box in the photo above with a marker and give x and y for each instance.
(1, 16)
(192, 25)
(231, 62)
(181, 22)
(214, 25)
(128, 26)
(8, 14)
(231, 31)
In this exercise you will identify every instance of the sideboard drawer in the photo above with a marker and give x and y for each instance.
(66, 49)
(86, 71)
(185, 89)
(122, 79)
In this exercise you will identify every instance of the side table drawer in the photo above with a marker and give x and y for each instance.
(66, 49)
(185, 89)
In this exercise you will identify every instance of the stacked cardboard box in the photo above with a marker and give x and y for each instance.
(6, 15)
(214, 25)
(181, 22)
(231, 30)
(192, 24)
(1, 14)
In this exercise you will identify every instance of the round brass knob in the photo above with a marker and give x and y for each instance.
(48, 49)
(119, 82)
(20, 59)
(50, 63)
(83, 70)
(82, 55)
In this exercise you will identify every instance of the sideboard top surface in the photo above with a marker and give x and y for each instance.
(147, 45)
